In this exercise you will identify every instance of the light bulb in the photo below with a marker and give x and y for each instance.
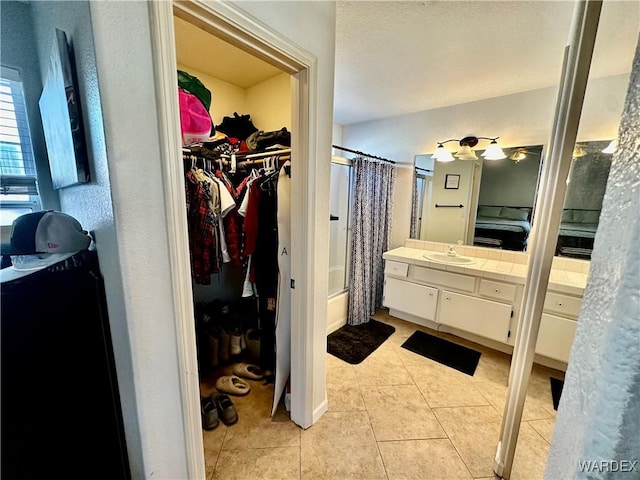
(611, 148)
(494, 152)
(465, 153)
(442, 154)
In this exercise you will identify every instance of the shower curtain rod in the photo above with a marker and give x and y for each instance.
(358, 152)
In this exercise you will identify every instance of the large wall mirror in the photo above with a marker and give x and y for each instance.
(490, 203)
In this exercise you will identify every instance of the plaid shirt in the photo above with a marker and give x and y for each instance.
(204, 244)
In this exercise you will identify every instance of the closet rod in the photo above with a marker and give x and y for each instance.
(358, 152)
(268, 153)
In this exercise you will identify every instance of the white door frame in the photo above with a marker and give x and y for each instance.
(232, 24)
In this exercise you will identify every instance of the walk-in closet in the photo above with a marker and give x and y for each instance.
(235, 120)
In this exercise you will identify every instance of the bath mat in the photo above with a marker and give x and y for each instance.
(354, 343)
(443, 351)
(556, 391)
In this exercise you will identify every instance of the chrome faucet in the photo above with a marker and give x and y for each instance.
(452, 251)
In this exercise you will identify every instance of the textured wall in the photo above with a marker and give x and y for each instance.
(599, 411)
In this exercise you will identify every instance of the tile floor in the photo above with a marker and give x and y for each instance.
(397, 415)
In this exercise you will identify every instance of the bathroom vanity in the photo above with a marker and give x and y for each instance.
(477, 294)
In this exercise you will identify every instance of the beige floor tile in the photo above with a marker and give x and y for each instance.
(474, 431)
(445, 387)
(341, 445)
(493, 367)
(343, 391)
(258, 463)
(534, 409)
(260, 432)
(335, 362)
(544, 427)
(532, 451)
(400, 413)
(385, 354)
(212, 439)
(255, 427)
(381, 373)
(422, 460)
(210, 460)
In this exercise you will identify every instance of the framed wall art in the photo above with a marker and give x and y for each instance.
(452, 182)
(62, 120)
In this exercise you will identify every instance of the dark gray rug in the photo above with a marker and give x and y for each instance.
(354, 343)
(443, 351)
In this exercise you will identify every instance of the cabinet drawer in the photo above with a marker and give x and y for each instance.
(447, 279)
(396, 268)
(497, 290)
(410, 298)
(562, 304)
(555, 337)
(476, 315)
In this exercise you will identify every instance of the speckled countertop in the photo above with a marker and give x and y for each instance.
(509, 269)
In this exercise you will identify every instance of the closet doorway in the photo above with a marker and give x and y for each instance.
(229, 23)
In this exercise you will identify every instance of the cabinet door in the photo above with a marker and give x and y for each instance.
(476, 315)
(555, 337)
(411, 298)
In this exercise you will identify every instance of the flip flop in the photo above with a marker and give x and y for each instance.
(232, 385)
(247, 370)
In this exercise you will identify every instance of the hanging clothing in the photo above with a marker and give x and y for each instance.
(373, 202)
(203, 231)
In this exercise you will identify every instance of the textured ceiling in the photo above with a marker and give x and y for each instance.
(202, 51)
(395, 58)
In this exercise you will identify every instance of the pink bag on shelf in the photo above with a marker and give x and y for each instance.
(195, 121)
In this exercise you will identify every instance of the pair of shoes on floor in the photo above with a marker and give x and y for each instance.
(248, 370)
(216, 408)
(233, 385)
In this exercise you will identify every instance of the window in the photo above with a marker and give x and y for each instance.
(18, 185)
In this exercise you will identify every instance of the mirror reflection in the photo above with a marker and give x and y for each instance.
(586, 185)
(489, 203)
(506, 197)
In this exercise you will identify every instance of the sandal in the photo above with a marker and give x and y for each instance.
(233, 385)
(247, 370)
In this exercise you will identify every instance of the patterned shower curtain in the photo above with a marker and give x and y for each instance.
(373, 201)
(413, 231)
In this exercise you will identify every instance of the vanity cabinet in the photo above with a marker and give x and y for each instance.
(558, 325)
(412, 298)
(482, 317)
(432, 297)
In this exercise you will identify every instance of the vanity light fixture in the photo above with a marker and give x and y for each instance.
(493, 151)
(611, 148)
(518, 155)
(578, 151)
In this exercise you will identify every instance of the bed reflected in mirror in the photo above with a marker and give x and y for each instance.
(506, 197)
(583, 201)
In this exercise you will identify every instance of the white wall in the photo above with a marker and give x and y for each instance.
(269, 103)
(519, 119)
(125, 71)
(599, 410)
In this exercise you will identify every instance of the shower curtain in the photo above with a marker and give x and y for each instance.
(373, 201)
(413, 232)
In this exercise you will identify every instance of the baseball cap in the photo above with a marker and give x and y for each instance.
(41, 239)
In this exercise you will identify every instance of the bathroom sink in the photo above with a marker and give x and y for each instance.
(451, 260)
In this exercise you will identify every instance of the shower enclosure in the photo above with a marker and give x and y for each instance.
(339, 230)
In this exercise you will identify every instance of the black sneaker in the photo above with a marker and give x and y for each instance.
(226, 410)
(209, 413)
